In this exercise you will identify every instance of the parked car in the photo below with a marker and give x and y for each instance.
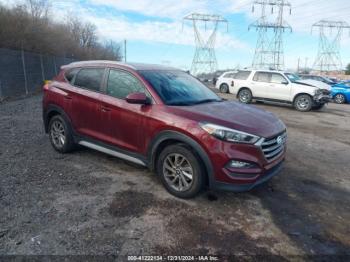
(279, 87)
(224, 81)
(323, 79)
(334, 80)
(167, 120)
(341, 93)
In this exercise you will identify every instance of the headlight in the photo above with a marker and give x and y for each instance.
(230, 135)
(318, 91)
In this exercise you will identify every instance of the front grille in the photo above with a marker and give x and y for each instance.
(274, 147)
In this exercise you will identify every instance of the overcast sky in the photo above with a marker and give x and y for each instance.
(153, 28)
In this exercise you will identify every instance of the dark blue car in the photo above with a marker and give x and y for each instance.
(341, 93)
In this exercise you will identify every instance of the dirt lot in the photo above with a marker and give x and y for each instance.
(89, 203)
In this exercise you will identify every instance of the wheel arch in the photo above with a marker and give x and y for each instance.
(53, 110)
(299, 94)
(169, 137)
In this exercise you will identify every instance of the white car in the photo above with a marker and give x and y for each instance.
(277, 87)
(223, 81)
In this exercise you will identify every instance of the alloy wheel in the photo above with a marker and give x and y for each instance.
(244, 96)
(303, 103)
(340, 99)
(224, 88)
(178, 172)
(58, 134)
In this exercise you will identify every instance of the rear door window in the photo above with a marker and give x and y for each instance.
(262, 77)
(120, 84)
(242, 75)
(90, 78)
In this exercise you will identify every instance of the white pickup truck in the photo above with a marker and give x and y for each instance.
(276, 87)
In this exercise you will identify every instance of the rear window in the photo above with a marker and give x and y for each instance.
(262, 77)
(89, 78)
(71, 74)
(242, 75)
(229, 75)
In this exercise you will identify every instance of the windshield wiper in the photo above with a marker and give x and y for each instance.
(179, 103)
(189, 103)
(207, 101)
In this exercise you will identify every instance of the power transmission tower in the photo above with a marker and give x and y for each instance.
(269, 47)
(204, 60)
(328, 56)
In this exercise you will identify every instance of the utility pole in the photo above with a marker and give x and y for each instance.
(204, 60)
(305, 67)
(269, 48)
(328, 56)
(298, 68)
(125, 50)
(24, 71)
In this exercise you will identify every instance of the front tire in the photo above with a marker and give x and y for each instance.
(303, 103)
(339, 99)
(180, 171)
(61, 137)
(224, 88)
(245, 96)
(318, 107)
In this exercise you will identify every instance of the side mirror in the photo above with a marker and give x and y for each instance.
(138, 98)
(285, 83)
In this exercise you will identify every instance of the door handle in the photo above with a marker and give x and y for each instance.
(105, 109)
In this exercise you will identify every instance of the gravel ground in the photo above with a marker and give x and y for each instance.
(88, 203)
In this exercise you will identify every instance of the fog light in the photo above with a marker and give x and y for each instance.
(239, 164)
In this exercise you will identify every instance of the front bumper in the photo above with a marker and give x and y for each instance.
(246, 187)
(322, 98)
(265, 158)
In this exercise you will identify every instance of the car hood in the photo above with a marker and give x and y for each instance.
(314, 83)
(234, 115)
(340, 86)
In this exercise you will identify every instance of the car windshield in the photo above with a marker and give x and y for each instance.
(292, 77)
(179, 88)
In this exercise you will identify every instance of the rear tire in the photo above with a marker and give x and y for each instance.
(339, 99)
(61, 137)
(180, 171)
(245, 96)
(303, 103)
(224, 88)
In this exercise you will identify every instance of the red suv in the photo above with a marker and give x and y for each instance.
(167, 120)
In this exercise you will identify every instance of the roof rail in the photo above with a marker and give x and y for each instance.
(94, 62)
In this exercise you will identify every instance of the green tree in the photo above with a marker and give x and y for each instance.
(347, 71)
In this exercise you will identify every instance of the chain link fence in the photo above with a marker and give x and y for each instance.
(23, 73)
